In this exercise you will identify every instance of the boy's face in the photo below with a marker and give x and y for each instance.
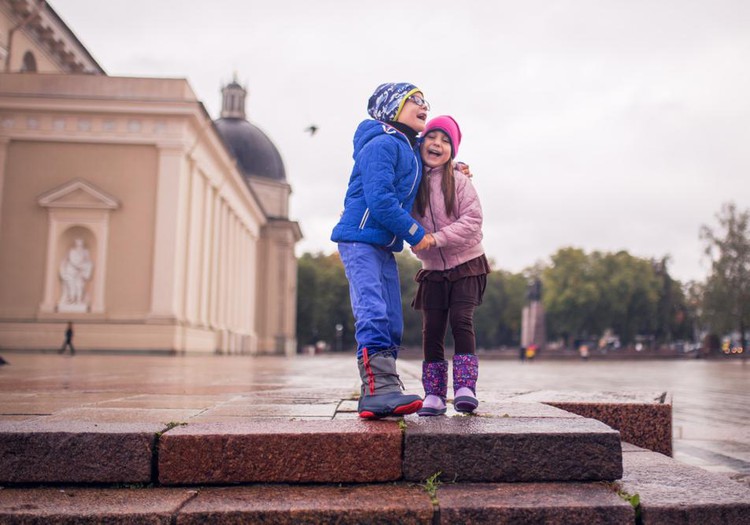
(413, 114)
(435, 149)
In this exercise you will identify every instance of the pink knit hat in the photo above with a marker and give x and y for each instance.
(447, 125)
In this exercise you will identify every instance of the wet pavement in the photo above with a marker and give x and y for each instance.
(711, 411)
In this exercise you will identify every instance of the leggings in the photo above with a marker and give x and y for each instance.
(435, 323)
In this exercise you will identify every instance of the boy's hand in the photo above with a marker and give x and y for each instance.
(428, 241)
(464, 168)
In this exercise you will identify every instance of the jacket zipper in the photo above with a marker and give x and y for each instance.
(413, 183)
(434, 229)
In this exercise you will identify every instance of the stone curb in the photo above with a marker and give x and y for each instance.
(281, 451)
(511, 449)
(76, 452)
(672, 493)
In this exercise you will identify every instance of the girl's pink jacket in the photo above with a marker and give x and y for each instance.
(458, 237)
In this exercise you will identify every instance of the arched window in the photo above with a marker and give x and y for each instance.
(29, 63)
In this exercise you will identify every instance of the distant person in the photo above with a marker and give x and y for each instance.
(583, 351)
(374, 224)
(454, 269)
(68, 340)
(522, 353)
(531, 352)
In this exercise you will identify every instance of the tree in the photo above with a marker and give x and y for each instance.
(727, 290)
(571, 295)
(323, 300)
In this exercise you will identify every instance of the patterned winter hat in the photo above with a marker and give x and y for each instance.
(386, 102)
(447, 125)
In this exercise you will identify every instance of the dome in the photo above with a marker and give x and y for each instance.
(255, 153)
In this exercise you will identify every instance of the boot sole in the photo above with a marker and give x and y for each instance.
(465, 404)
(428, 412)
(398, 411)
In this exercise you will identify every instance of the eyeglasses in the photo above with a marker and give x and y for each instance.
(419, 101)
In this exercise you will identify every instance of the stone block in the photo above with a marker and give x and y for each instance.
(533, 503)
(672, 493)
(91, 506)
(511, 449)
(643, 418)
(284, 504)
(38, 451)
(281, 451)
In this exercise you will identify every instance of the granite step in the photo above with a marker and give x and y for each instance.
(508, 442)
(655, 489)
(491, 449)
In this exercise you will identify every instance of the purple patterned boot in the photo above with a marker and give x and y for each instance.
(465, 372)
(435, 382)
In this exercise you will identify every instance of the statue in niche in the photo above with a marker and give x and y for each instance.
(75, 271)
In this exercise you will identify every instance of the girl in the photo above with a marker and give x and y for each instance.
(375, 223)
(454, 270)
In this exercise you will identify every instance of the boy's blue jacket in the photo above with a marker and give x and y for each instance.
(382, 189)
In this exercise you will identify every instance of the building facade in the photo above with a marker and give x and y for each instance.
(127, 210)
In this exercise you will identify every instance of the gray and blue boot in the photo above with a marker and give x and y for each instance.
(465, 373)
(381, 388)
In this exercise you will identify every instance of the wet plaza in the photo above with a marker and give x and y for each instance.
(711, 402)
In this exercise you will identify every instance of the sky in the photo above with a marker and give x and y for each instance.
(598, 124)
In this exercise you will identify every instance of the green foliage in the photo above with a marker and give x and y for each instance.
(586, 294)
(726, 298)
(431, 485)
(408, 266)
(498, 320)
(323, 300)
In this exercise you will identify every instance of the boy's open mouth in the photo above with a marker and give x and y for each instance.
(422, 116)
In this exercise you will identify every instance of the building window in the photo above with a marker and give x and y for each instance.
(29, 63)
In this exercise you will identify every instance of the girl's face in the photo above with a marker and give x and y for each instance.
(414, 112)
(435, 149)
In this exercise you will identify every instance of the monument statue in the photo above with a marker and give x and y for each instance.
(75, 271)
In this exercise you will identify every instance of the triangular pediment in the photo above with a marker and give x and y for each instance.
(78, 193)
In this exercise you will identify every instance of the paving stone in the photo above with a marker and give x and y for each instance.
(520, 409)
(165, 401)
(38, 451)
(281, 451)
(123, 415)
(533, 503)
(284, 504)
(511, 449)
(672, 493)
(643, 418)
(279, 410)
(91, 506)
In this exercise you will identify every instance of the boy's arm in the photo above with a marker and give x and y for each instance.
(377, 161)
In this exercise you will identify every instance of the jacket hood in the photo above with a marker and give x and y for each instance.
(369, 129)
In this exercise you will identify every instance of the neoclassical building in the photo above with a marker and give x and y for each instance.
(126, 209)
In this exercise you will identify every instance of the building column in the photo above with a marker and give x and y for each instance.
(4, 141)
(207, 254)
(169, 238)
(195, 248)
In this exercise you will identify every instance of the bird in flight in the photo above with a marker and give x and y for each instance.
(312, 128)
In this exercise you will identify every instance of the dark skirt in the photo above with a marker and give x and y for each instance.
(464, 284)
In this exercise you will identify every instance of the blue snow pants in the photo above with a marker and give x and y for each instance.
(375, 294)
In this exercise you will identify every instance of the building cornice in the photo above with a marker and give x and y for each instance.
(52, 35)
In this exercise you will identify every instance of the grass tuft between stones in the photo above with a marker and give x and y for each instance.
(431, 485)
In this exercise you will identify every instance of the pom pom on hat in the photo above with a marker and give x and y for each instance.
(386, 102)
(449, 126)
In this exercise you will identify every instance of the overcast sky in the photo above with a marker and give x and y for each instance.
(598, 124)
